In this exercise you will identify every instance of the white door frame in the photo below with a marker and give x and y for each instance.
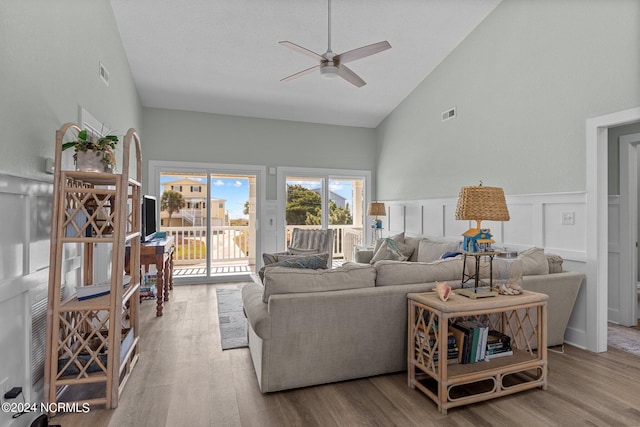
(597, 223)
(153, 188)
(628, 145)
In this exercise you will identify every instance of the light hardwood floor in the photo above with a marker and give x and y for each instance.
(183, 378)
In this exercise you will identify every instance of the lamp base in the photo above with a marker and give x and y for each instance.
(475, 293)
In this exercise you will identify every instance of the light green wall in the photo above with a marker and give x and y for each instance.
(49, 55)
(213, 138)
(524, 82)
(613, 158)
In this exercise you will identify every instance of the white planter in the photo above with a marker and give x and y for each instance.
(89, 161)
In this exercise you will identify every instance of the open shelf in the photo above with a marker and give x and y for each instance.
(98, 212)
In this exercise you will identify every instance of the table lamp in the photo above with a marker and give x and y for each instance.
(480, 203)
(376, 209)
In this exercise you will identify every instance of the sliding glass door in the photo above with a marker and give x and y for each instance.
(325, 199)
(211, 213)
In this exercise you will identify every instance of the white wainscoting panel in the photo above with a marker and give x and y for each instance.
(413, 219)
(614, 302)
(395, 215)
(520, 231)
(24, 260)
(536, 220)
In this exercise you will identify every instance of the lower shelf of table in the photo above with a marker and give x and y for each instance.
(476, 382)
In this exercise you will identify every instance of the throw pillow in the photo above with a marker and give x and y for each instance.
(430, 250)
(389, 249)
(296, 251)
(534, 262)
(399, 238)
(313, 262)
(269, 258)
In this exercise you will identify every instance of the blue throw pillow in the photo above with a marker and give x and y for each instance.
(449, 255)
(313, 262)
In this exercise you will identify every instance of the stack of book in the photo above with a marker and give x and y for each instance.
(147, 292)
(498, 345)
(472, 337)
(453, 352)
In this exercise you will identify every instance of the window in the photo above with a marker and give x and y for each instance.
(196, 189)
(177, 188)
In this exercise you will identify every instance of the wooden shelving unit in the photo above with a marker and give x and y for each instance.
(92, 344)
(522, 317)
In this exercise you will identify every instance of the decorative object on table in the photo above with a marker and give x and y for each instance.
(93, 154)
(376, 209)
(443, 290)
(509, 289)
(480, 203)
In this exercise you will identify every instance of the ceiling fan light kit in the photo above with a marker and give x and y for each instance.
(332, 65)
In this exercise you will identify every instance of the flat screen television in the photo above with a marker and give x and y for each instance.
(149, 225)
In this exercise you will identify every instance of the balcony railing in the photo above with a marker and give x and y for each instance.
(344, 239)
(226, 243)
(231, 243)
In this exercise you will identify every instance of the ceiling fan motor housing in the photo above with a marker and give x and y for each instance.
(329, 70)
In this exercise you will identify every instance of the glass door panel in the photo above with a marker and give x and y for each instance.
(304, 203)
(212, 217)
(327, 202)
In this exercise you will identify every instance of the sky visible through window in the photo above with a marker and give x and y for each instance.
(235, 191)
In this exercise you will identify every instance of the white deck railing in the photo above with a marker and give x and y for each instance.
(226, 243)
(230, 243)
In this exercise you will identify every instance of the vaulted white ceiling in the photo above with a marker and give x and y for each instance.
(223, 56)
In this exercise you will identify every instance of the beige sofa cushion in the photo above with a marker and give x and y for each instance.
(414, 242)
(283, 280)
(534, 262)
(430, 250)
(400, 273)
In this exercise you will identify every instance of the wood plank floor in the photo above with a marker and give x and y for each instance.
(183, 378)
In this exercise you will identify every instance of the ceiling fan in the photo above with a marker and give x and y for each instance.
(332, 65)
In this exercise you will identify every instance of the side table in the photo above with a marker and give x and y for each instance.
(450, 385)
(158, 252)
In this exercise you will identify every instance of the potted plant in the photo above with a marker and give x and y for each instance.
(93, 154)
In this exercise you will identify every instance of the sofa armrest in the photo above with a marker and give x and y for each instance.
(363, 256)
(562, 289)
(256, 311)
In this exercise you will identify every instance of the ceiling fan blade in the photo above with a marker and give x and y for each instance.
(302, 50)
(350, 76)
(362, 52)
(300, 73)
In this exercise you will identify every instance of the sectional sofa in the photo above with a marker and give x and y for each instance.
(309, 327)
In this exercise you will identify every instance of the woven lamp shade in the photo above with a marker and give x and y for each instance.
(377, 209)
(482, 203)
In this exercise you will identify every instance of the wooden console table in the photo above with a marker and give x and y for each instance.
(450, 385)
(158, 252)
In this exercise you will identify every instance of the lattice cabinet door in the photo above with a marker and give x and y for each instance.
(93, 332)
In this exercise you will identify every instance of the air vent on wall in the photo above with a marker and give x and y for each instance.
(451, 113)
(104, 74)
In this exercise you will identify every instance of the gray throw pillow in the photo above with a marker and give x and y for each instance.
(389, 249)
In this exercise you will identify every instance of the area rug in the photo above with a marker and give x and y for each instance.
(233, 325)
(623, 338)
